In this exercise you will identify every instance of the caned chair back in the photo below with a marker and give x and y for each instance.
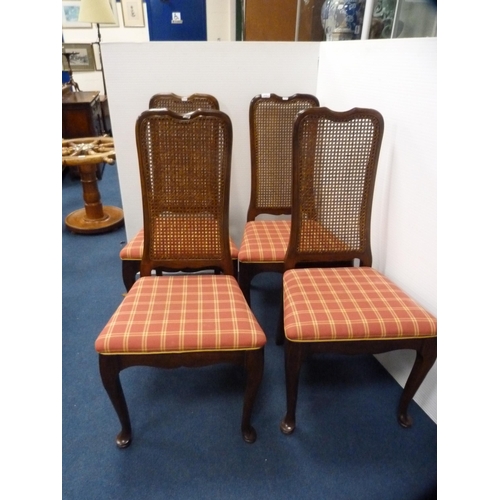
(271, 127)
(185, 166)
(181, 105)
(335, 158)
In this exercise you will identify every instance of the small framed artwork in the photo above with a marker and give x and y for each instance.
(97, 56)
(133, 15)
(81, 58)
(115, 14)
(70, 13)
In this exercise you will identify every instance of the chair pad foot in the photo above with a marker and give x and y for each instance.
(405, 420)
(123, 439)
(287, 428)
(249, 436)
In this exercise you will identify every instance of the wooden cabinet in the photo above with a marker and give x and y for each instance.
(277, 20)
(82, 117)
(270, 21)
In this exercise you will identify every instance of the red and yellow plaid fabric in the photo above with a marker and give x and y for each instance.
(350, 304)
(172, 314)
(265, 241)
(134, 248)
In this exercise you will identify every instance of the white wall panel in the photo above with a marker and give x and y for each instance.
(398, 78)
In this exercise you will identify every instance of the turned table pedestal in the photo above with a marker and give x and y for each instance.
(87, 153)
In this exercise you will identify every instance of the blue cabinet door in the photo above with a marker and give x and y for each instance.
(177, 20)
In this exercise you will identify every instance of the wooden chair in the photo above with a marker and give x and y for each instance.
(183, 104)
(347, 310)
(131, 253)
(184, 319)
(264, 242)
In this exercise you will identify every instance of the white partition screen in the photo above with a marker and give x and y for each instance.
(234, 72)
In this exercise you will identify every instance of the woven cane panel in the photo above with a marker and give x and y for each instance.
(134, 248)
(337, 163)
(273, 121)
(184, 167)
(182, 105)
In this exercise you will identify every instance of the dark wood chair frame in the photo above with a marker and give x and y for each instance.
(180, 105)
(297, 352)
(110, 367)
(251, 360)
(247, 271)
(130, 268)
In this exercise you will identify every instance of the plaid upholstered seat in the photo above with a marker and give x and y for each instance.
(359, 303)
(329, 303)
(264, 242)
(134, 248)
(175, 314)
(184, 319)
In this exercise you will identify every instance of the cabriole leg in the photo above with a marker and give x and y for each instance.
(245, 279)
(254, 366)
(424, 360)
(109, 367)
(280, 330)
(293, 362)
(130, 268)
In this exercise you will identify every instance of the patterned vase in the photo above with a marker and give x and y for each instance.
(342, 19)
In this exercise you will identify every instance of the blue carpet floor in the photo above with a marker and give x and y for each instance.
(185, 423)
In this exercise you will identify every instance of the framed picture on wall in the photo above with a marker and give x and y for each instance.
(97, 56)
(133, 15)
(70, 13)
(115, 14)
(81, 59)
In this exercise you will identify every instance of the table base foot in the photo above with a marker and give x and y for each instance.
(78, 221)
